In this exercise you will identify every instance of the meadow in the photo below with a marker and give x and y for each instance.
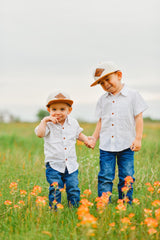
(24, 211)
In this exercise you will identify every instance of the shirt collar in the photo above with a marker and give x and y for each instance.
(124, 91)
(68, 120)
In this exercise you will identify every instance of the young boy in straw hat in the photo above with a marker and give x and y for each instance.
(119, 128)
(60, 132)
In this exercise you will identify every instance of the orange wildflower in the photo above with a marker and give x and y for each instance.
(86, 202)
(23, 193)
(62, 190)
(125, 220)
(157, 214)
(21, 202)
(125, 189)
(121, 207)
(152, 231)
(131, 215)
(128, 181)
(16, 206)
(41, 201)
(89, 219)
(60, 206)
(151, 222)
(36, 189)
(13, 185)
(55, 184)
(120, 201)
(7, 202)
(136, 201)
(158, 191)
(87, 192)
(133, 228)
(148, 212)
(157, 183)
(47, 233)
(112, 224)
(156, 203)
(79, 143)
(150, 189)
(103, 201)
(82, 210)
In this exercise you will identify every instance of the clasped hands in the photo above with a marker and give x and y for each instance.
(90, 142)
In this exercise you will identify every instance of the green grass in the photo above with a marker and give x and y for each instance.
(22, 161)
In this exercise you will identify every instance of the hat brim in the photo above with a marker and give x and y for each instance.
(101, 78)
(67, 101)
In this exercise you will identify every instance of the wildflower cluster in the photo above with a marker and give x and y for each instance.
(152, 216)
(16, 201)
(102, 202)
(87, 221)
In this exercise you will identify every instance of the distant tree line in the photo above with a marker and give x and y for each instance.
(41, 114)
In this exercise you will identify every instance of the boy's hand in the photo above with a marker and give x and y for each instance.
(136, 145)
(91, 142)
(50, 119)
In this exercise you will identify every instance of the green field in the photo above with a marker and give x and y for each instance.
(22, 164)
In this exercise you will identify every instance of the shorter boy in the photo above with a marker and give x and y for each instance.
(60, 132)
(120, 128)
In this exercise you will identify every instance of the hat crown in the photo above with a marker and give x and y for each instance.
(60, 95)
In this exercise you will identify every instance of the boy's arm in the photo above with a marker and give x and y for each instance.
(136, 145)
(83, 138)
(40, 132)
(97, 130)
(93, 139)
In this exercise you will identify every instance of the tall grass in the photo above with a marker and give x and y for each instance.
(22, 162)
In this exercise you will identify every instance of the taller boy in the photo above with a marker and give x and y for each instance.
(119, 128)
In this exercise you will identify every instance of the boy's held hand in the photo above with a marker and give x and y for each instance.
(91, 142)
(136, 145)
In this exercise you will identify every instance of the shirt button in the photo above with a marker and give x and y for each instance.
(112, 136)
(112, 124)
(62, 127)
(64, 138)
(113, 101)
(65, 148)
(112, 113)
(66, 159)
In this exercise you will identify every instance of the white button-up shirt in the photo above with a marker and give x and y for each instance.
(117, 113)
(59, 145)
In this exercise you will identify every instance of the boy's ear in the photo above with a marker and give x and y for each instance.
(69, 110)
(119, 75)
(48, 109)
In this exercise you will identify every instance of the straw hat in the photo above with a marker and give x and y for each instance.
(103, 70)
(58, 97)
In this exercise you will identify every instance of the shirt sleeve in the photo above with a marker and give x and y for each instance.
(139, 105)
(79, 130)
(98, 112)
(46, 133)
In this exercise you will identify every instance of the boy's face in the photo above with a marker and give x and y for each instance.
(112, 83)
(59, 111)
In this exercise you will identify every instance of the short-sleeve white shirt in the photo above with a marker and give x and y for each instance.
(59, 145)
(117, 113)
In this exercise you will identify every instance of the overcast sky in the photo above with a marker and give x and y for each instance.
(50, 45)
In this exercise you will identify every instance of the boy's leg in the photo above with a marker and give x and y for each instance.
(125, 161)
(107, 171)
(72, 189)
(54, 176)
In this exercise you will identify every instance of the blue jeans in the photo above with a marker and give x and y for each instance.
(125, 162)
(71, 181)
